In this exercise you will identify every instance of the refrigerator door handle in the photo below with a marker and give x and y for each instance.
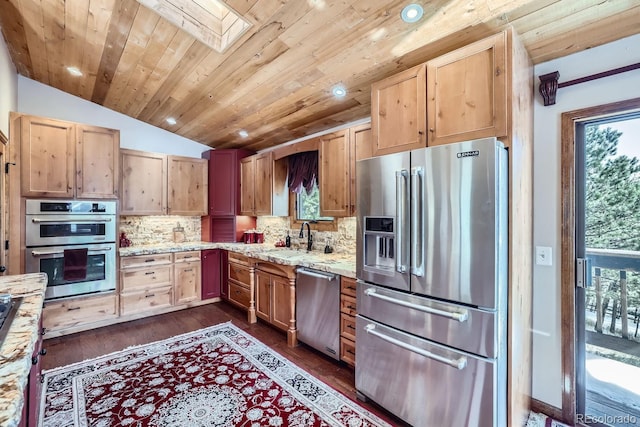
(459, 363)
(417, 237)
(461, 316)
(401, 212)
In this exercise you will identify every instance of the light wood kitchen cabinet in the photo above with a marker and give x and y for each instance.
(144, 183)
(467, 92)
(333, 175)
(188, 186)
(263, 186)
(158, 184)
(188, 277)
(348, 320)
(67, 313)
(97, 162)
(68, 160)
(398, 112)
(339, 152)
(146, 283)
(275, 297)
(240, 283)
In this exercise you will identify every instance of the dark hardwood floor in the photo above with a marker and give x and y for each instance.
(72, 348)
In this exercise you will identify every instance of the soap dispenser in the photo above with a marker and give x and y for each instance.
(287, 241)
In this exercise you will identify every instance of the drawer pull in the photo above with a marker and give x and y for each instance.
(187, 269)
(351, 327)
(150, 260)
(73, 308)
(43, 331)
(351, 352)
(350, 307)
(351, 288)
(149, 273)
(150, 295)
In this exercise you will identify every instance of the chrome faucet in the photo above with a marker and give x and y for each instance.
(309, 236)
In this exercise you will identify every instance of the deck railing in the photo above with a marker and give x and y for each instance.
(610, 289)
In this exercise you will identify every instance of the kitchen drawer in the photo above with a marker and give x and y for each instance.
(61, 314)
(239, 294)
(348, 326)
(187, 256)
(144, 260)
(145, 278)
(239, 258)
(348, 305)
(348, 351)
(138, 302)
(239, 273)
(348, 286)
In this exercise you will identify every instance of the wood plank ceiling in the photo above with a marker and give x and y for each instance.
(276, 81)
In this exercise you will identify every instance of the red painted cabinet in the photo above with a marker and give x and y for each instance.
(224, 181)
(31, 408)
(214, 275)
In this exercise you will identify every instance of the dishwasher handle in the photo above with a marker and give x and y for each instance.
(316, 274)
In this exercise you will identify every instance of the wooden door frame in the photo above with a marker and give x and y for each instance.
(568, 244)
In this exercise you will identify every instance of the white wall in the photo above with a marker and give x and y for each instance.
(42, 100)
(8, 87)
(547, 380)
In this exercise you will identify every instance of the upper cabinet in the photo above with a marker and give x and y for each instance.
(187, 188)
(339, 152)
(263, 185)
(68, 160)
(467, 92)
(158, 184)
(144, 183)
(224, 181)
(398, 112)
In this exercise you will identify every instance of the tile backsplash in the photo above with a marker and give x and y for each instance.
(342, 241)
(149, 230)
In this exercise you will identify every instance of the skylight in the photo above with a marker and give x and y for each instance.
(210, 21)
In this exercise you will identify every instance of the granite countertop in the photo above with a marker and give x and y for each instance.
(337, 263)
(17, 348)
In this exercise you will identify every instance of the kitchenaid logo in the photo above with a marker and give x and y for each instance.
(474, 153)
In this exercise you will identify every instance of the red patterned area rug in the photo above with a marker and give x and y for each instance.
(217, 376)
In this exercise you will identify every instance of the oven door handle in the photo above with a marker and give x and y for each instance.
(90, 220)
(459, 363)
(460, 316)
(44, 253)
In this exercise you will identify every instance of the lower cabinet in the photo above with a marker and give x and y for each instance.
(146, 283)
(57, 315)
(348, 320)
(275, 297)
(214, 274)
(31, 407)
(239, 273)
(188, 277)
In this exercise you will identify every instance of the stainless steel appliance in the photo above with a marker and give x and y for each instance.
(318, 310)
(55, 228)
(431, 263)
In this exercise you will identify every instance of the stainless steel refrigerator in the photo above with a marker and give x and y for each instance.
(431, 264)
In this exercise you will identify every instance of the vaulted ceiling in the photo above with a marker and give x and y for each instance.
(275, 82)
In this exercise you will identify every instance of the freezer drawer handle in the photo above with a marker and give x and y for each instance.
(461, 316)
(317, 274)
(43, 253)
(459, 363)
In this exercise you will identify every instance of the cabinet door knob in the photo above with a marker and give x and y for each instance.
(43, 352)
(432, 130)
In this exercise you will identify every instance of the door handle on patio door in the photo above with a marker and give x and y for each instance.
(401, 212)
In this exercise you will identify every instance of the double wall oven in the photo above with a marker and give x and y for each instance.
(73, 241)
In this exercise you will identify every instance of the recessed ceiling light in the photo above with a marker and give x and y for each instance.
(412, 13)
(243, 133)
(74, 71)
(339, 91)
(171, 121)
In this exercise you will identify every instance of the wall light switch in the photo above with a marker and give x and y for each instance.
(543, 255)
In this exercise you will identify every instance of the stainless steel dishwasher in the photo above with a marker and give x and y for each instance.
(318, 310)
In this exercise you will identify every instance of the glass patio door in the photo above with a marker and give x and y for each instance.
(608, 288)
